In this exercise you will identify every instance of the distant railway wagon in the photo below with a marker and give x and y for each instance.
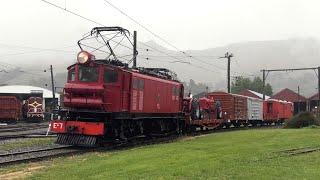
(234, 107)
(10, 109)
(34, 109)
(255, 110)
(277, 111)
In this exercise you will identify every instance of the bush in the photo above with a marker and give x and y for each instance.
(303, 119)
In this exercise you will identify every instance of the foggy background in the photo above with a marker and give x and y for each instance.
(261, 34)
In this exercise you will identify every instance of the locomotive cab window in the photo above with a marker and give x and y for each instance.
(88, 74)
(141, 84)
(72, 75)
(138, 84)
(110, 76)
(175, 91)
(135, 83)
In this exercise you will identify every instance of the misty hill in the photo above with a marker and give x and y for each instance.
(206, 67)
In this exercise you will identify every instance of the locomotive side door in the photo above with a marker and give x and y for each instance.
(126, 82)
(112, 78)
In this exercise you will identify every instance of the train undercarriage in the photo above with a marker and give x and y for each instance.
(79, 128)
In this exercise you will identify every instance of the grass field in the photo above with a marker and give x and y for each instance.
(249, 154)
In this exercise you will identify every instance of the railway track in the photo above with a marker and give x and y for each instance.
(23, 131)
(17, 129)
(63, 150)
(36, 154)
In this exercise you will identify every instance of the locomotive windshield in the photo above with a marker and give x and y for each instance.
(72, 75)
(88, 74)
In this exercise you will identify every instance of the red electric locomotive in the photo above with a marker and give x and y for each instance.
(105, 99)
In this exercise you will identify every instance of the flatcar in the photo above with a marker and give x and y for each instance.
(203, 113)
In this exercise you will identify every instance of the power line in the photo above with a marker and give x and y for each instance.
(145, 28)
(156, 35)
(93, 21)
(71, 12)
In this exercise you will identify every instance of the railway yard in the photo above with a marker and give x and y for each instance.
(211, 154)
(82, 99)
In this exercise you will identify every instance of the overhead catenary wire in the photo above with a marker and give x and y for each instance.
(95, 22)
(158, 36)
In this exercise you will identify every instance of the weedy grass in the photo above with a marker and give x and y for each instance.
(26, 143)
(248, 154)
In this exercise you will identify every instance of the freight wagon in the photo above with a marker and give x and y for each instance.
(277, 111)
(255, 110)
(233, 107)
(10, 109)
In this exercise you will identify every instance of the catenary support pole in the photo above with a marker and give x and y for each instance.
(134, 49)
(52, 86)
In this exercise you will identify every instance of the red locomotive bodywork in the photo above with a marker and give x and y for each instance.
(277, 110)
(10, 108)
(78, 127)
(128, 91)
(117, 97)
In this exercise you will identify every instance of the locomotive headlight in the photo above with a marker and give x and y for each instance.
(84, 57)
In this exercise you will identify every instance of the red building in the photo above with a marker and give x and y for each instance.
(299, 101)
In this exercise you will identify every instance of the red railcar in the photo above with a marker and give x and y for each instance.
(125, 102)
(277, 111)
(233, 107)
(10, 109)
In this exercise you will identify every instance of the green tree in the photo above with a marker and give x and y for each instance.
(256, 84)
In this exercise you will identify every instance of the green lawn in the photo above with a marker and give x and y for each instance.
(249, 154)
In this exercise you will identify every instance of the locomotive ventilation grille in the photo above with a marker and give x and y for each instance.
(76, 139)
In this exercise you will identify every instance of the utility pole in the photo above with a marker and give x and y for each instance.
(318, 87)
(52, 86)
(298, 99)
(228, 56)
(263, 84)
(134, 49)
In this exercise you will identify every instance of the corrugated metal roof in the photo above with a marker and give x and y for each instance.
(289, 95)
(254, 94)
(20, 89)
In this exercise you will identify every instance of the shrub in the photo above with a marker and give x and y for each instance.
(302, 119)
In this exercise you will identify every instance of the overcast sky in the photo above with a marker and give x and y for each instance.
(186, 24)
